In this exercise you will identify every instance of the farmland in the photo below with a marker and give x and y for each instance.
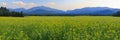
(60, 28)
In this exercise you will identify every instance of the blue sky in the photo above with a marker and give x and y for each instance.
(60, 4)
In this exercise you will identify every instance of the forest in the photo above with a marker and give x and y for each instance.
(5, 12)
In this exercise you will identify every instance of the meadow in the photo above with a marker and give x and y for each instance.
(60, 28)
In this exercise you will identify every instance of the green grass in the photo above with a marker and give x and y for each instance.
(60, 28)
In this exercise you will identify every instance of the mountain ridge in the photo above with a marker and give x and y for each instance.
(43, 10)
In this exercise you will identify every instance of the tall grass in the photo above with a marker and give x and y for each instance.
(60, 28)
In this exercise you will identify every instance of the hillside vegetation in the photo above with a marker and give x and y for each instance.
(60, 28)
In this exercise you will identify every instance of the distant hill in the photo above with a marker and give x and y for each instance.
(93, 11)
(42, 10)
(20, 9)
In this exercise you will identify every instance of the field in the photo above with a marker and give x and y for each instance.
(60, 28)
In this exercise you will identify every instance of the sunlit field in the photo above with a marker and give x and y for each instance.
(60, 28)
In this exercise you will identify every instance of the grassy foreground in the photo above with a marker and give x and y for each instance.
(60, 28)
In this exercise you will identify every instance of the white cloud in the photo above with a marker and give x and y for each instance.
(49, 4)
(3, 4)
(32, 4)
(23, 4)
(19, 3)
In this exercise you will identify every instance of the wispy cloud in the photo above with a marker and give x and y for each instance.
(23, 4)
(19, 3)
(51, 3)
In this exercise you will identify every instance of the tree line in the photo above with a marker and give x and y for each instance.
(5, 12)
(117, 14)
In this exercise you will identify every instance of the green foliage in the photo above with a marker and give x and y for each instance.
(5, 12)
(60, 28)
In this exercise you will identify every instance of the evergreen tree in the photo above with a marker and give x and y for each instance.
(117, 14)
(5, 12)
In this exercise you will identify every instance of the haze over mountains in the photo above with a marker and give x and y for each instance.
(42, 10)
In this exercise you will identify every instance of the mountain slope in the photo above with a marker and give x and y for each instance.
(42, 10)
(93, 11)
